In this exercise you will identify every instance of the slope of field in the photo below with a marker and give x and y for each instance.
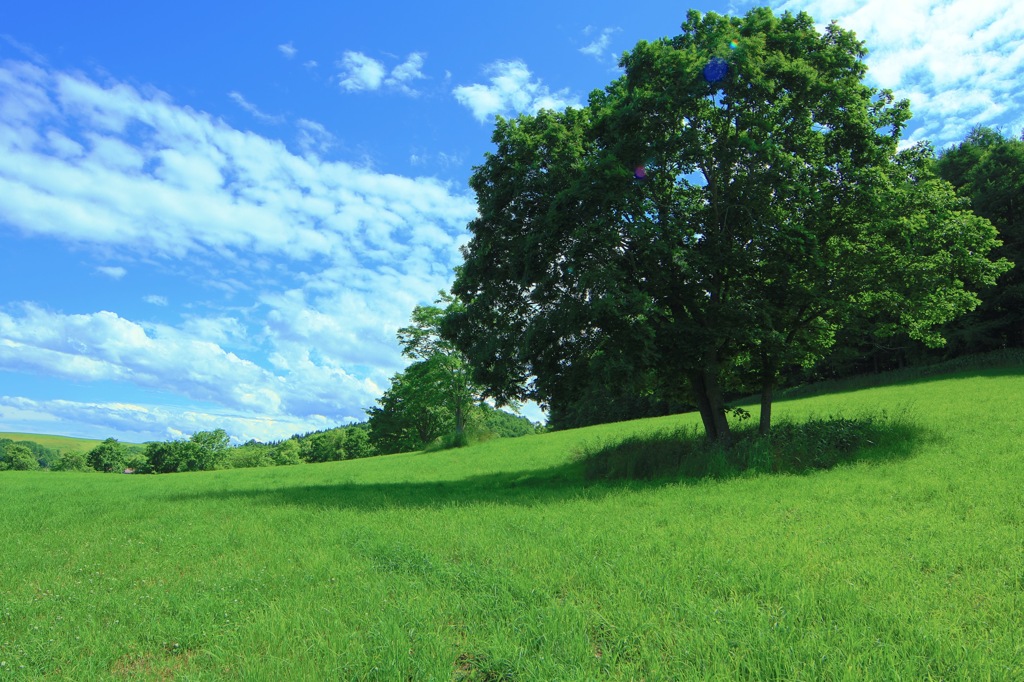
(60, 443)
(499, 562)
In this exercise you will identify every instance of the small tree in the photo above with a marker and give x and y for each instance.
(412, 413)
(212, 448)
(108, 456)
(449, 369)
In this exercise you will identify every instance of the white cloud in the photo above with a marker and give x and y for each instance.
(512, 90)
(253, 109)
(287, 49)
(405, 73)
(598, 47)
(313, 138)
(312, 63)
(958, 61)
(324, 260)
(136, 423)
(112, 271)
(359, 72)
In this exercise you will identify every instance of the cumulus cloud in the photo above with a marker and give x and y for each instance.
(324, 260)
(958, 62)
(361, 73)
(409, 71)
(512, 90)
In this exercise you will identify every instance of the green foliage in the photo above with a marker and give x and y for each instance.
(137, 462)
(432, 396)
(17, 457)
(987, 168)
(42, 455)
(108, 456)
(251, 454)
(502, 424)
(71, 461)
(203, 451)
(411, 413)
(776, 209)
(356, 444)
(287, 453)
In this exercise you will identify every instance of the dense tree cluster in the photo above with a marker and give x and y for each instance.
(24, 455)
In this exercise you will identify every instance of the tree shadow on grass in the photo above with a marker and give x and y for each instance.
(651, 460)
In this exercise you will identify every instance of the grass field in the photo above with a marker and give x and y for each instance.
(59, 443)
(499, 562)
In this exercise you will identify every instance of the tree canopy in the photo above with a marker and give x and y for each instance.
(987, 169)
(712, 216)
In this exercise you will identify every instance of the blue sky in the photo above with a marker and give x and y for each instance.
(218, 214)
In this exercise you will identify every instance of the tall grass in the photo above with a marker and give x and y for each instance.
(502, 561)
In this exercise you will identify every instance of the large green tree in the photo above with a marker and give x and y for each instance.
(714, 214)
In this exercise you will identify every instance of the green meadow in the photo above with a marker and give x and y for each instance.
(59, 443)
(502, 561)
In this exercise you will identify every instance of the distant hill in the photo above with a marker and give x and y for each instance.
(61, 443)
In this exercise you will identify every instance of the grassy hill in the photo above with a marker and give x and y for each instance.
(60, 443)
(502, 562)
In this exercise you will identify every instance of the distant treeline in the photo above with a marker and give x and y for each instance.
(208, 450)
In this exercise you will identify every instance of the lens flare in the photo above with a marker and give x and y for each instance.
(716, 70)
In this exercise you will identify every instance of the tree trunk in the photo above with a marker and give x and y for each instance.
(708, 395)
(703, 405)
(460, 425)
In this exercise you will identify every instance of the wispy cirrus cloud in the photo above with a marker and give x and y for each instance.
(112, 271)
(322, 260)
(241, 101)
(287, 49)
(511, 90)
(598, 46)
